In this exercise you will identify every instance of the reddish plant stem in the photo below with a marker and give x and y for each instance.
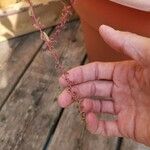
(51, 42)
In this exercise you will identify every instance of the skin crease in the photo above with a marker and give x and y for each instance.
(126, 84)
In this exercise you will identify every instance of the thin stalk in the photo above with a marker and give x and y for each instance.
(50, 43)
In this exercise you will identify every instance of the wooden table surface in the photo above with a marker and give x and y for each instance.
(30, 118)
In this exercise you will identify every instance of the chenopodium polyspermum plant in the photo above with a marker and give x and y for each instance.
(51, 41)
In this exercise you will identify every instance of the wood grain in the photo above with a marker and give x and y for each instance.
(31, 112)
(17, 54)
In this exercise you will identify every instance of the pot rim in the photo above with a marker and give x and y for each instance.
(143, 5)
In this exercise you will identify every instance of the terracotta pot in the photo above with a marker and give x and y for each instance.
(94, 13)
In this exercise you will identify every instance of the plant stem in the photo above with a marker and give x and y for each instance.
(51, 42)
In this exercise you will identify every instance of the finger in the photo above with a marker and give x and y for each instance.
(133, 45)
(89, 72)
(87, 89)
(97, 106)
(105, 128)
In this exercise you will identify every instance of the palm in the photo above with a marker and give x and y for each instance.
(131, 101)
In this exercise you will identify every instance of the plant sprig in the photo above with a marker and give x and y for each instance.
(51, 41)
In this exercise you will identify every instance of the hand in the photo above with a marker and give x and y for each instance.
(126, 84)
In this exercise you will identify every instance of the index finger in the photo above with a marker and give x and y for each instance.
(90, 72)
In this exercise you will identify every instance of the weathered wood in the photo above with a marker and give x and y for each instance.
(15, 21)
(131, 145)
(31, 112)
(17, 54)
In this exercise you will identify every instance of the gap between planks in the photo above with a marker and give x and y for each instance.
(22, 46)
(52, 131)
(31, 109)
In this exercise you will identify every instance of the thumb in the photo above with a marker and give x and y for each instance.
(133, 45)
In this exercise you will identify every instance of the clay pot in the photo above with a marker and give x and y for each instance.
(94, 13)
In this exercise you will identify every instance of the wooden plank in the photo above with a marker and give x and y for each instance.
(16, 58)
(32, 111)
(16, 21)
(132, 145)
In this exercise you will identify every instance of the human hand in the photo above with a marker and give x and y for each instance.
(126, 84)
